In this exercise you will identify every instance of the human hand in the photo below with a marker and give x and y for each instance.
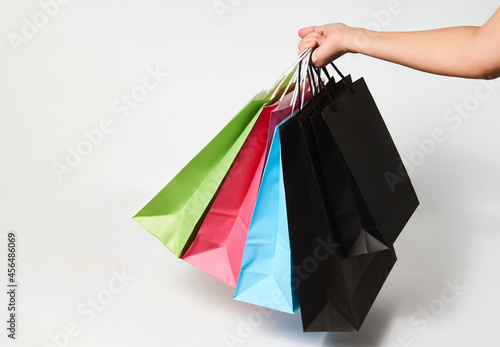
(329, 40)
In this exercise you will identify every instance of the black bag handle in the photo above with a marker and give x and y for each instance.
(311, 73)
(300, 99)
(312, 86)
(325, 70)
(321, 86)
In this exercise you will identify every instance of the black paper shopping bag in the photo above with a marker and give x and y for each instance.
(360, 161)
(335, 292)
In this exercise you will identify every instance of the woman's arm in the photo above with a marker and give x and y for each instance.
(471, 52)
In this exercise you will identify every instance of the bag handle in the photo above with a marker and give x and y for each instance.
(325, 70)
(283, 78)
(314, 71)
(322, 86)
(315, 89)
(300, 92)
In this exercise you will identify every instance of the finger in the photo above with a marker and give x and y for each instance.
(314, 59)
(308, 43)
(319, 59)
(304, 31)
(313, 39)
(312, 35)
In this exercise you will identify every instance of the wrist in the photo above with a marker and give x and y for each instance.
(354, 40)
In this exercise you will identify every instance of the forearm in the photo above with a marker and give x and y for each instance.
(459, 51)
(466, 51)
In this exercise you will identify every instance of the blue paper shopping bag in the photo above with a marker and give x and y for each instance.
(266, 278)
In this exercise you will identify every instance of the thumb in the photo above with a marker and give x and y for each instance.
(319, 56)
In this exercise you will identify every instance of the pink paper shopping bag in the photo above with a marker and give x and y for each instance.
(218, 247)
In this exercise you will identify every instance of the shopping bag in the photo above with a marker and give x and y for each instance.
(218, 247)
(360, 159)
(266, 278)
(284, 110)
(354, 238)
(219, 244)
(175, 214)
(335, 292)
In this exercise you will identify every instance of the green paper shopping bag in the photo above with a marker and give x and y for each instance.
(175, 214)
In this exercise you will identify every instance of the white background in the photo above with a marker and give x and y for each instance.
(75, 232)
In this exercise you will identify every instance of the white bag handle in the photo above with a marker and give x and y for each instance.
(304, 63)
(278, 84)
